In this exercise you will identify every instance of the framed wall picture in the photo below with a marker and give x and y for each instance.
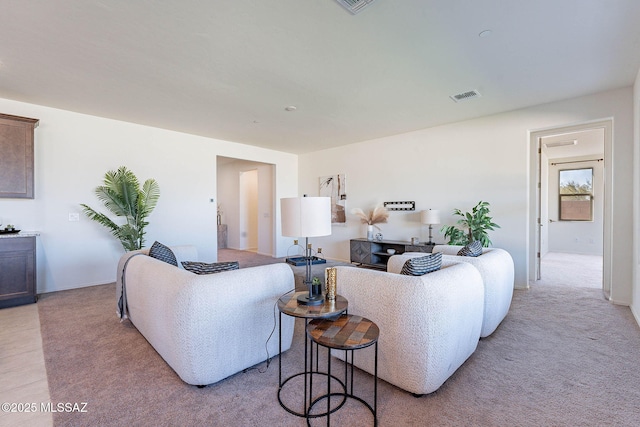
(334, 186)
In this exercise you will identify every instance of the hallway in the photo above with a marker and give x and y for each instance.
(574, 270)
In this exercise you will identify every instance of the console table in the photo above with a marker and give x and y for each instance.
(373, 253)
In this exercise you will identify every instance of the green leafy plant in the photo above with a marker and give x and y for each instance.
(122, 195)
(473, 225)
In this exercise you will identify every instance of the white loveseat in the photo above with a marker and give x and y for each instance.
(429, 325)
(496, 268)
(206, 327)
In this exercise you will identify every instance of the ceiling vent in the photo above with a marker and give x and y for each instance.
(354, 6)
(466, 96)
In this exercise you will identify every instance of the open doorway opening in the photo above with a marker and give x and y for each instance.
(572, 206)
(245, 192)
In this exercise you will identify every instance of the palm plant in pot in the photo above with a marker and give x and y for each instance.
(473, 225)
(122, 195)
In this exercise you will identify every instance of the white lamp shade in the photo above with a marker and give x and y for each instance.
(306, 216)
(431, 216)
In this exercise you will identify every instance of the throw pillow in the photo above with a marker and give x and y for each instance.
(472, 249)
(422, 265)
(209, 268)
(163, 253)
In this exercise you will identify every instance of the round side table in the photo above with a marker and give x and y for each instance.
(288, 305)
(348, 333)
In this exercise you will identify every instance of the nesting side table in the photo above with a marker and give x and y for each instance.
(288, 305)
(348, 333)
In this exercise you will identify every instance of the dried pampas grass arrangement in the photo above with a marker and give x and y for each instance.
(377, 216)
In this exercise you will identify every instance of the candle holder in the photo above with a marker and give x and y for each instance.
(331, 287)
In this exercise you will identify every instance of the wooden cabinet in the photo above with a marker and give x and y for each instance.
(17, 271)
(16, 156)
(373, 253)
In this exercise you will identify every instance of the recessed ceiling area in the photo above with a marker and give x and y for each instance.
(228, 70)
(587, 143)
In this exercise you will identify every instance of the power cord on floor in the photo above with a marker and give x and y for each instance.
(266, 344)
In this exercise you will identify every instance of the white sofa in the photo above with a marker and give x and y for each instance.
(496, 268)
(206, 327)
(429, 325)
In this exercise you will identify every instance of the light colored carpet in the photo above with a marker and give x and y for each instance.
(250, 259)
(562, 357)
(563, 269)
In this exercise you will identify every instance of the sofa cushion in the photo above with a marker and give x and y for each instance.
(163, 253)
(472, 249)
(422, 265)
(209, 268)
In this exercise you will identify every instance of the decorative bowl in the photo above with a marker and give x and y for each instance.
(391, 251)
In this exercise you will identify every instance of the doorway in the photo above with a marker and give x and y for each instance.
(246, 199)
(571, 199)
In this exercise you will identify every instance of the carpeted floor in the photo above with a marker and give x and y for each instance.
(562, 357)
(563, 269)
(251, 259)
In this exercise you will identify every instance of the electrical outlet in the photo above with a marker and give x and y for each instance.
(74, 217)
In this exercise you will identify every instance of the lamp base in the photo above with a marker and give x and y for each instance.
(310, 299)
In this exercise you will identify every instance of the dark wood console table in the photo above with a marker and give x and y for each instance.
(373, 253)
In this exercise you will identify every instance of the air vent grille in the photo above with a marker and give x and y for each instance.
(466, 96)
(355, 6)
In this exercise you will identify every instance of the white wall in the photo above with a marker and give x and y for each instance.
(72, 153)
(635, 307)
(577, 237)
(457, 165)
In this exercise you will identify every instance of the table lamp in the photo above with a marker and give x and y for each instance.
(306, 217)
(430, 217)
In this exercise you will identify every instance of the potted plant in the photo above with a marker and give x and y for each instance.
(377, 216)
(123, 196)
(317, 286)
(473, 225)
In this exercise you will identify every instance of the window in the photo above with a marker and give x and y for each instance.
(576, 195)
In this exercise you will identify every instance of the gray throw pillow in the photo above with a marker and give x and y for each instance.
(472, 249)
(209, 268)
(163, 253)
(422, 265)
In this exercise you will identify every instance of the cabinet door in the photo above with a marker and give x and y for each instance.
(419, 248)
(360, 252)
(16, 160)
(17, 271)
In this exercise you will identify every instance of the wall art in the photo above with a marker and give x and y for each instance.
(334, 186)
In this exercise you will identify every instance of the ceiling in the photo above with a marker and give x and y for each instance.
(228, 69)
(587, 143)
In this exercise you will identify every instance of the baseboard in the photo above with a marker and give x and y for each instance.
(635, 314)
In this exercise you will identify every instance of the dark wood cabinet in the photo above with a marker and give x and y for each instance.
(373, 253)
(16, 156)
(17, 271)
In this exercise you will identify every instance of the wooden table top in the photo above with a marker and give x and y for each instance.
(288, 304)
(348, 332)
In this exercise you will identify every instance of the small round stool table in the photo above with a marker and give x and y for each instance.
(288, 305)
(348, 333)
